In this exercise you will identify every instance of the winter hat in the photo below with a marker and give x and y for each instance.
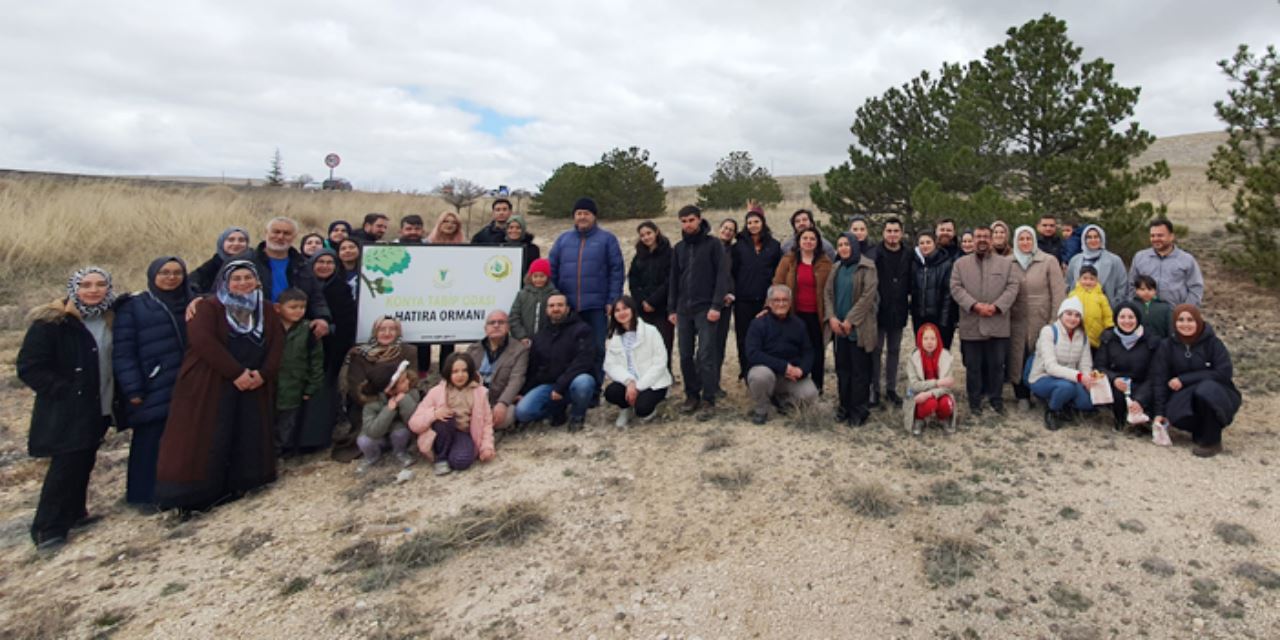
(1071, 304)
(756, 208)
(541, 265)
(588, 204)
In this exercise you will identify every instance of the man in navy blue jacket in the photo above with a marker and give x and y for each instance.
(587, 266)
(781, 357)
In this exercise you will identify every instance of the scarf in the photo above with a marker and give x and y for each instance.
(929, 360)
(855, 254)
(222, 239)
(374, 352)
(1092, 255)
(244, 312)
(1008, 239)
(461, 401)
(337, 265)
(1195, 315)
(1131, 338)
(1024, 259)
(329, 244)
(89, 312)
(524, 230)
(175, 301)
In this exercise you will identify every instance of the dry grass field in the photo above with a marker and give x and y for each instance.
(675, 529)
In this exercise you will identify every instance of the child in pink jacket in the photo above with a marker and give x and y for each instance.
(456, 407)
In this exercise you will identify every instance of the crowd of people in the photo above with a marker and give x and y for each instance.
(222, 370)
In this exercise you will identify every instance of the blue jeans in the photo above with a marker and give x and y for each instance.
(1059, 393)
(537, 404)
(599, 323)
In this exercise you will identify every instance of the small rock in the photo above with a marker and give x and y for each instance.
(404, 476)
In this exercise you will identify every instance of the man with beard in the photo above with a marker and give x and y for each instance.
(893, 266)
(561, 372)
(375, 226)
(495, 232)
(696, 290)
(1047, 238)
(410, 230)
(281, 266)
(800, 220)
(984, 286)
(945, 231)
(1176, 272)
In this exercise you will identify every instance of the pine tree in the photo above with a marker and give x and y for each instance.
(275, 176)
(736, 181)
(1250, 161)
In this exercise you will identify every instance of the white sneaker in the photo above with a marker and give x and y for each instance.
(406, 460)
(624, 418)
(917, 427)
(441, 468)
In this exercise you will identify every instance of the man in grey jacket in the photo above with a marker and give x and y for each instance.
(501, 362)
(984, 286)
(1176, 272)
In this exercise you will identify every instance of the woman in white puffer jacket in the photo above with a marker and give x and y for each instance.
(1062, 371)
(635, 360)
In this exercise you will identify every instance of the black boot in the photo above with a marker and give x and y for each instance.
(1052, 420)
(875, 400)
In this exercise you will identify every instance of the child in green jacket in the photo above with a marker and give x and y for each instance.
(1156, 313)
(301, 368)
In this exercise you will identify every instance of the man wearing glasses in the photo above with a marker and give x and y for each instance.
(501, 363)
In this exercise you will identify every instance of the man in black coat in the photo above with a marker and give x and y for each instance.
(893, 265)
(374, 228)
(1047, 238)
(276, 257)
(495, 232)
(699, 282)
(562, 364)
(781, 357)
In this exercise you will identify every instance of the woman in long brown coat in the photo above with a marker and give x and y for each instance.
(217, 442)
(805, 270)
(1042, 290)
(384, 345)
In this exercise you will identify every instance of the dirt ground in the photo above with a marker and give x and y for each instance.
(722, 529)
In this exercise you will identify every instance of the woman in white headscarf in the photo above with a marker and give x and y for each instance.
(1039, 295)
(66, 359)
(1111, 270)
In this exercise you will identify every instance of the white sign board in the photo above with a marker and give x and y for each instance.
(439, 293)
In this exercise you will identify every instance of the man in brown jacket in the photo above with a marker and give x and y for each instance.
(502, 363)
(984, 286)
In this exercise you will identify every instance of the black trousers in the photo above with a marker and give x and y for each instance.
(722, 341)
(1143, 393)
(697, 336)
(744, 311)
(64, 495)
(984, 362)
(853, 378)
(1204, 425)
(813, 327)
(646, 401)
(658, 318)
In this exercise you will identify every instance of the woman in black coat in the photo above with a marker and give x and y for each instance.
(150, 336)
(1194, 390)
(66, 359)
(318, 424)
(647, 278)
(931, 288)
(755, 258)
(231, 242)
(1125, 356)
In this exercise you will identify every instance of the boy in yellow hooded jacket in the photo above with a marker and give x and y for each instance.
(1097, 310)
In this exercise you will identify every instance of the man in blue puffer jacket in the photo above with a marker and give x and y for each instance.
(150, 336)
(587, 266)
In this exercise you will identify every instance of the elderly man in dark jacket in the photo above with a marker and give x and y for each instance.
(781, 357)
(695, 297)
(561, 369)
(984, 286)
(893, 266)
(502, 363)
(276, 257)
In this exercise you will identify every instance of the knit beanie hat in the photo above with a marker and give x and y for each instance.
(541, 265)
(1071, 304)
(588, 204)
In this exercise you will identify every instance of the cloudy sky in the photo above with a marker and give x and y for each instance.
(411, 93)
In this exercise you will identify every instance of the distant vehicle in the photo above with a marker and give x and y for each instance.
(336, 184)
